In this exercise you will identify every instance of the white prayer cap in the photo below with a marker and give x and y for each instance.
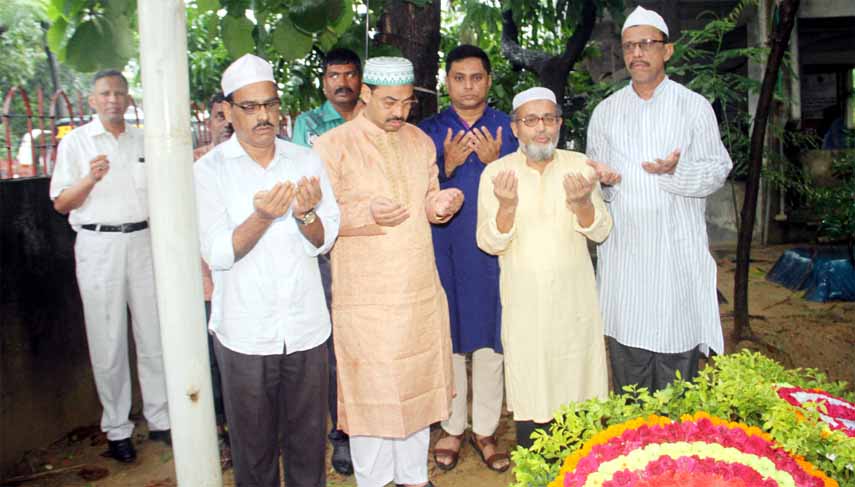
(388, 71)
(247, 70)
(533, 94)
(642, 16)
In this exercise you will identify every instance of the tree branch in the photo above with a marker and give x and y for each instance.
(517, 55)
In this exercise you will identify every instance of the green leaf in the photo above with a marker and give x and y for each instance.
(327, 40)
(56, 34)
(207, 5)
(116, 8)
(123, 37)
(310, 16)
(85, 45)
(237, 35)
(344, 19)
(290, 42)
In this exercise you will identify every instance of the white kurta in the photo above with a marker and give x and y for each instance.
(552, 333)
(656, 277)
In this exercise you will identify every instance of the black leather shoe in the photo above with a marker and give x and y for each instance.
(161, 435)
(429, 484)
(122, 450)
(341, 461)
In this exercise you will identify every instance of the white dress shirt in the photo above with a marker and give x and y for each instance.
(656, 277)
(121, 196)
(272, 296)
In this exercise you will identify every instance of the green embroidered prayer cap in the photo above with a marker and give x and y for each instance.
(388, 71)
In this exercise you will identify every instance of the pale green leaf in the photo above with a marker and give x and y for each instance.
(207, 5)
(56, 34)
(289, 41)
(83, 46)
(237, 35)
(345, 17)
(327, 40)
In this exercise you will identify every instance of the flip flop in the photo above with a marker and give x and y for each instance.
(490, 461)
(445, 452)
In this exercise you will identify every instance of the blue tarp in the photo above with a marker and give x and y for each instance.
(824, 273)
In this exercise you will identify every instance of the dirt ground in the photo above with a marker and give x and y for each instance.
(793, 331)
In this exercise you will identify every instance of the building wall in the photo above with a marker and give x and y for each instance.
(46, 384)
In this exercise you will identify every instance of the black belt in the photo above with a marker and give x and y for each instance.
(124, 227)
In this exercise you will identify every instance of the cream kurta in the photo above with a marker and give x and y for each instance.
(390, 315)
(552, 331)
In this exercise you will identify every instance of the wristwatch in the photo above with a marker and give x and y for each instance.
(308, 217)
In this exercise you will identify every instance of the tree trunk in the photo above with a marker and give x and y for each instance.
(415, 31)
(779, 39)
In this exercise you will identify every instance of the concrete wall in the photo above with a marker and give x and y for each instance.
(46, 385)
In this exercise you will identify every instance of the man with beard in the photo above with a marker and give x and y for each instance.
(656, 276)
(266, 211)
(389, 310)
(537, 209)
(100, 181)
(342, 81)
(468, 136)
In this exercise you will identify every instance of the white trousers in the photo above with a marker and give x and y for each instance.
(378, 461)
(487, 393)
(114, 272)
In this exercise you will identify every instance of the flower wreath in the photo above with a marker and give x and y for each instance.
(840, 413)
(699, 450)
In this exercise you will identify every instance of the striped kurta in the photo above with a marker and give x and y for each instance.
(656, 277)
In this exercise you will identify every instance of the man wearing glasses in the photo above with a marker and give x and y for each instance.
(266, 211)
(537, 210)
(657, 279)
(390, 314)
(342, 81)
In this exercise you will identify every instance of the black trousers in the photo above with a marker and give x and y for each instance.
(526, 428)
(274, 405)
(648, 369)
(216, 383)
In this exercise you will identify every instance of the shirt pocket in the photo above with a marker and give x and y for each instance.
(138, 172)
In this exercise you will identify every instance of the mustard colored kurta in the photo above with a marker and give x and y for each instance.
(552, 331)
(390, 314)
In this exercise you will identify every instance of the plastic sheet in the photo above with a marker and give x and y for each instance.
(824, 273)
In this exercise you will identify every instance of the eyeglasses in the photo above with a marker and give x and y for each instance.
(549, 120)
(251, 107)
(644, 44)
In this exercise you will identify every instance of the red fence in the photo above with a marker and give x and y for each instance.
(31, 151)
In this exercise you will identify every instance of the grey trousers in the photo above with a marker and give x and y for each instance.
(274, 405)
(648, 369)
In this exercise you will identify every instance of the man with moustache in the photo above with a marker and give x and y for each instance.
(469, 135)
(266, 211)
(389, 310)
(100, 182)
(342, 81)
(537, 209)
(657, 279)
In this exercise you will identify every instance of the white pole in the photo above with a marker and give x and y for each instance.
(175, 241)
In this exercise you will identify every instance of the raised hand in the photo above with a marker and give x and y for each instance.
(663, 166)
(307, 195)
(447, 202)
(483, 143)
(577, 189)
(605, 174)
(505, 189)
(387, 212)
(99, 167)
(274, 203)
(455, 150)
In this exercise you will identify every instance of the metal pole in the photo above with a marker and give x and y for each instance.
(175, 241)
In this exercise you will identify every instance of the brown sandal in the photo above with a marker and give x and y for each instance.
(453, 454)
(490, 461)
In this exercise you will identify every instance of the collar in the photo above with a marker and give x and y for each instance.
(233, 150)
(96, 128)
(368, 126)
(453, 115)
(329, 113)
(660, 88)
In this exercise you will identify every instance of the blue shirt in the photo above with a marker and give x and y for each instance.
(469, 276)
